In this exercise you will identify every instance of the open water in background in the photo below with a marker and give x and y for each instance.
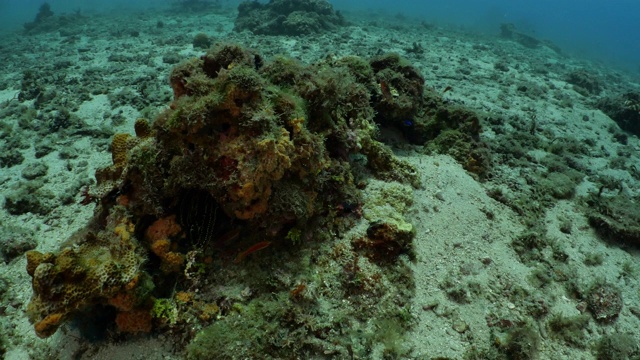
(605, 30)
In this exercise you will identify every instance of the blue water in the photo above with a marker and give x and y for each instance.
(607, 31)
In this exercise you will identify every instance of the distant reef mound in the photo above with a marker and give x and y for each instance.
(288, 17)
(46, 21)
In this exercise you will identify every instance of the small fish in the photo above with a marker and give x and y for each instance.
(407, 123)
(386, 92)
(229, 237)
(448, 88)
(259, 246)
(297, 290)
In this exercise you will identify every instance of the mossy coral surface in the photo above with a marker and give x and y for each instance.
(231, 208)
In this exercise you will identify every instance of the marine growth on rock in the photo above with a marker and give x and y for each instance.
(246, 146)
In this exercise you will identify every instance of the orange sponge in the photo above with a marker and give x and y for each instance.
(134, 321)
(123, 301)
(47, 326)
(163, 228)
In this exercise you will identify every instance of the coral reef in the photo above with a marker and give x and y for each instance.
(96, 265)
(46, 21)
(202, 41)
(287, 17)
(134, 321)
(509, 31)
(194, 5)
(584, 83)
(248, 153)
(624, 110)
(158, 235)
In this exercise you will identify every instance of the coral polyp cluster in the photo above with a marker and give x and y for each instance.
(246, 148)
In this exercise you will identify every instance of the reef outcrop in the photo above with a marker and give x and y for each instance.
(624, 110)
(248, 147)
(288, 17)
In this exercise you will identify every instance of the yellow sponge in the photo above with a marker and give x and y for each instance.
(142, 128)
(119, 149)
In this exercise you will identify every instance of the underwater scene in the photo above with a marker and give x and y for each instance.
(313, 179)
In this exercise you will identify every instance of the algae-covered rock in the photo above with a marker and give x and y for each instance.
(624, 110)
(616, 218)
(401, 88)
(389, 233)
(30, 197)
(387, 201)
(402, 101)
(452, 130)
(46, 21)
(287, 17)
(558, 185)
(250, 150)
(95, 267)
(584, 83)
(10, 157)
(508, 31)
(617, 346)
(14, 241)
(604, 301)
(202, 41)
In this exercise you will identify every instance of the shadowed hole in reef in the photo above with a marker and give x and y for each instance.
(201, 218)
(95, 322)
